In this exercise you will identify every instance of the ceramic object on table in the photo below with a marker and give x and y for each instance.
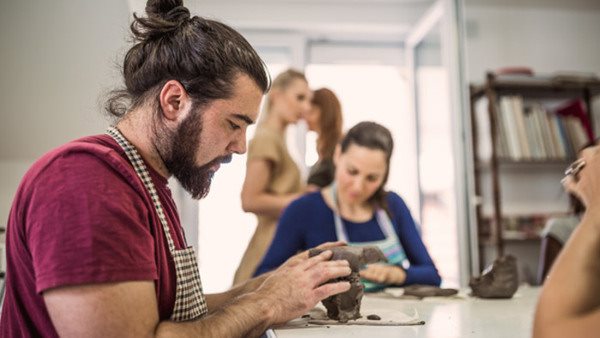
(346, 306)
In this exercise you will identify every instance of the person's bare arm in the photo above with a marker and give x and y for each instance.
(130, 308)
(569, 305)
(255, 197)
(218, 300)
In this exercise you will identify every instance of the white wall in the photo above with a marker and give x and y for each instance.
(57, 58)
(544, 37)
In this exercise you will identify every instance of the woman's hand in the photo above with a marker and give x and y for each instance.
(384, 274)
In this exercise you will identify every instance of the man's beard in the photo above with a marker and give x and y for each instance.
(178, 151)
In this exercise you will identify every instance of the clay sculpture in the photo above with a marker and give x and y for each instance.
(501, 280)
(346, 306)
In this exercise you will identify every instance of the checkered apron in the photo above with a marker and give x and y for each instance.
(390, 246)
(189, 299)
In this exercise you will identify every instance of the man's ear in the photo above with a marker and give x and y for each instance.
(174, 100)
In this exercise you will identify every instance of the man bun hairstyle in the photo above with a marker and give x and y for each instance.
(204, 55)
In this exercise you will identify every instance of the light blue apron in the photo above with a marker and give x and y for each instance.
(390, 246)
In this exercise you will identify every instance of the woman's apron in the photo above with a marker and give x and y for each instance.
(390, 246)
(189, 299)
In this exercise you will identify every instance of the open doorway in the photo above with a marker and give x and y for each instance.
(374, 81)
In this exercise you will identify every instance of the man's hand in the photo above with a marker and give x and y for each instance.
(586, 183)
(384, 274)
(297, 286)
(303, 256)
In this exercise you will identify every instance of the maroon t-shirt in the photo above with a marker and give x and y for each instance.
(81, 215)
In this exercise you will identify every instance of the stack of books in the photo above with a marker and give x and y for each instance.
(531, 132)
(520, 227)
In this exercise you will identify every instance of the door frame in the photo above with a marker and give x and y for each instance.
(449, 15)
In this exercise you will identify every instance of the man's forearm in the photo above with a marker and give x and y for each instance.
(249, 286)
(577, 271)
(244, 316)
(218, 300)
(566, 294)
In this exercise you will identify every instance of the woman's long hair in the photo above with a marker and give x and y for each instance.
(330, 121)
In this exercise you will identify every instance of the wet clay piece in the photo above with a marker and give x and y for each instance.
(346, 306)
(501, 280)
(373, 317)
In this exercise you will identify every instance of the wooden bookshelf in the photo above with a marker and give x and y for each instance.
(490, 228)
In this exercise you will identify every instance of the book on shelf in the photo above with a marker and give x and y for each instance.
(519, 116)
(578, 138)
(519, 227)
(556, 138)
(574, 77)
(528, 131)
(507, 117)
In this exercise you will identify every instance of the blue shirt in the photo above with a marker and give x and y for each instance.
(308, 222)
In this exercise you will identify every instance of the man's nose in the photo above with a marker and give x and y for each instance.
(238, 145)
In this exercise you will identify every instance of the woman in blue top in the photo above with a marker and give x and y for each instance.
(356, 209)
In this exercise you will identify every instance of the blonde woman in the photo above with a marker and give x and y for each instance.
(272, 177)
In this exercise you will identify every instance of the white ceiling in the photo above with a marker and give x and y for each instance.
(383, 20)
(357, 20)
(564, 4)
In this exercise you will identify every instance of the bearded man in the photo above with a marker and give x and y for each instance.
(94, 244)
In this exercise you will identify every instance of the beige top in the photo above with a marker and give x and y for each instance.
(269, 145)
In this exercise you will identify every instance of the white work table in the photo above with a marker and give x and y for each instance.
(460, 317)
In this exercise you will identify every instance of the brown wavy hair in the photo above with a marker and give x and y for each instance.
(330, 121)
(377, 137)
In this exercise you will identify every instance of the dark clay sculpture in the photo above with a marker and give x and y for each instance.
(345, 306)
(501, 281)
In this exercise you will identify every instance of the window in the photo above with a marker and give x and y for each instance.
(225, 229)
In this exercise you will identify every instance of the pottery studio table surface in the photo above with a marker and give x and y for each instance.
(461, 316)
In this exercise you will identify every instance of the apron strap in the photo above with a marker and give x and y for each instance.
(390, 246)
(340, 231)
(142, 172)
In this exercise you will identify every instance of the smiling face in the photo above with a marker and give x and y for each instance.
(208, 136)
(360, 171)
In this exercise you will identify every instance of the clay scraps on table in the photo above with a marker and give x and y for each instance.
(421, 291)
(373, 317)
